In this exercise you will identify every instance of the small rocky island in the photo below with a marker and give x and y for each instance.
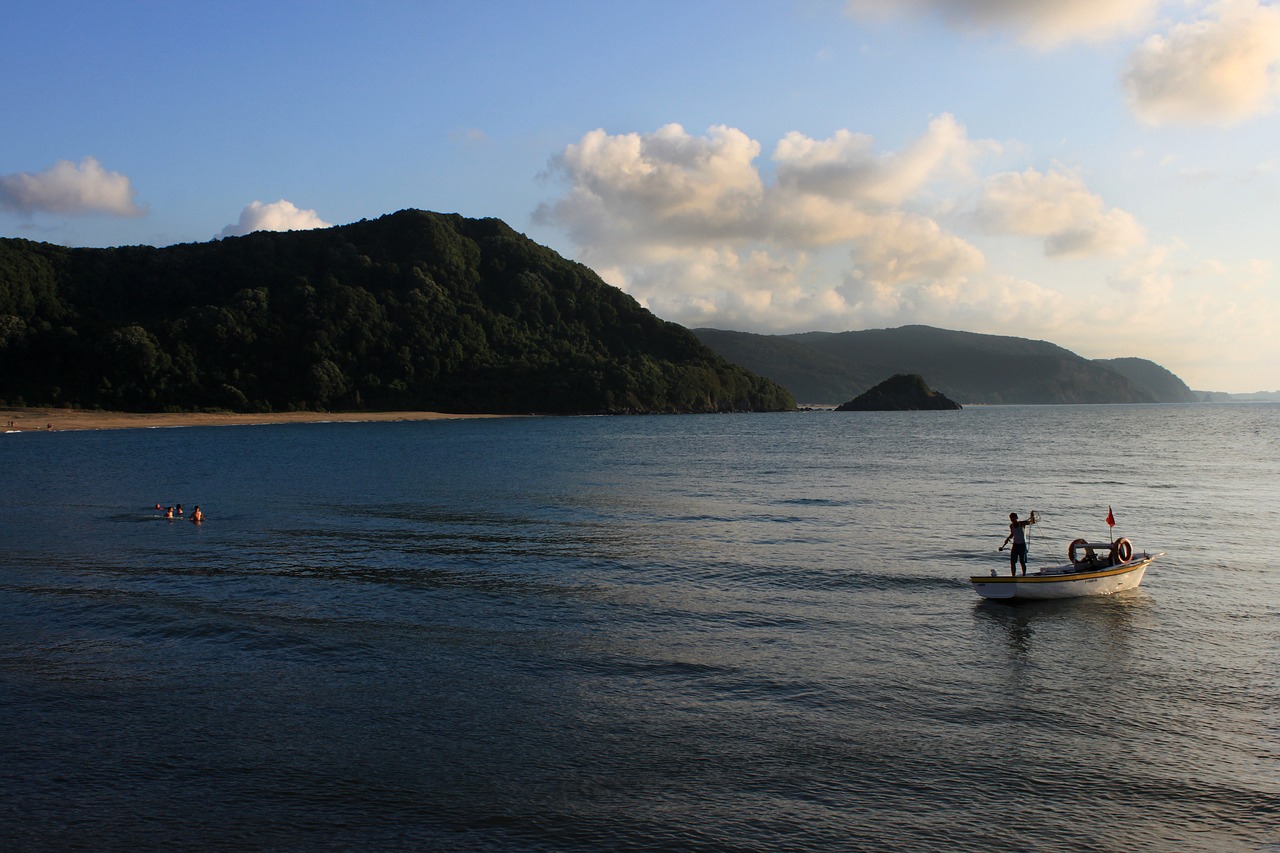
(905, 392)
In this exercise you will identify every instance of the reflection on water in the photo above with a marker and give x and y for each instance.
(1102, 624)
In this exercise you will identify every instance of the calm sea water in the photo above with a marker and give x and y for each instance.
(749, 632)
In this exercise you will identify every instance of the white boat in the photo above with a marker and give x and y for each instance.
(1095, 569)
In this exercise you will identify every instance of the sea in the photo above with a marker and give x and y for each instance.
(748, 632)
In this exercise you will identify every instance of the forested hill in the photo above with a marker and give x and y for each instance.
(831, 367)
(1159, 381)
(414, 310)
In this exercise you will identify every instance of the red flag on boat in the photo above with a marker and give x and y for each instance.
(1111, 518)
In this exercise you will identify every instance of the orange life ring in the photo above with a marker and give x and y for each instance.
(1079, 543)
(1123, 550)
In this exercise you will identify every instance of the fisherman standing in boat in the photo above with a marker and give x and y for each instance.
(1018, 533)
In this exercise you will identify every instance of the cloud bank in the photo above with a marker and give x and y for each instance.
(277, 216)
(70, 188)
(841, 236)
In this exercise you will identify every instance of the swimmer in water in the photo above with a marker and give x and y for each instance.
(196, 515)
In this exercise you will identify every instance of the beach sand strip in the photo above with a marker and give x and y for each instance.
(54, 419)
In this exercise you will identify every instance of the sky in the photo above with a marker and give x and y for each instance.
(1101, 174)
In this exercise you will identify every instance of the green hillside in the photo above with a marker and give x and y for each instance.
(414, 310)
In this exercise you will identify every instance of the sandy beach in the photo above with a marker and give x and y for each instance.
(52, 419)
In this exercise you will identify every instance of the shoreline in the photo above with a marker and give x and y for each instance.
(44, 419)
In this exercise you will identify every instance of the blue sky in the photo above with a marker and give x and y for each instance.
(1097, 173)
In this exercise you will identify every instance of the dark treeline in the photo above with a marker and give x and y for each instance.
(414, 310)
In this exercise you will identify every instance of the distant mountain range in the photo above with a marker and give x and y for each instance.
(830, 368)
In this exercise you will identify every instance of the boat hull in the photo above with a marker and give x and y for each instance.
(1064, 583)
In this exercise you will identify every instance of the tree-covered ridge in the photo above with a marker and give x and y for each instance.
(414, 310)
(1158, 381)
(828, 367)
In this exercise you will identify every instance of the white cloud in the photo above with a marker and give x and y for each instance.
(846, 165)
(667, 187)
(901, 248)
(634, 197)
(278, 216)
(1057, 206)
(70, 188)
(1217, 70)
(688, 225)
(1042, 22)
